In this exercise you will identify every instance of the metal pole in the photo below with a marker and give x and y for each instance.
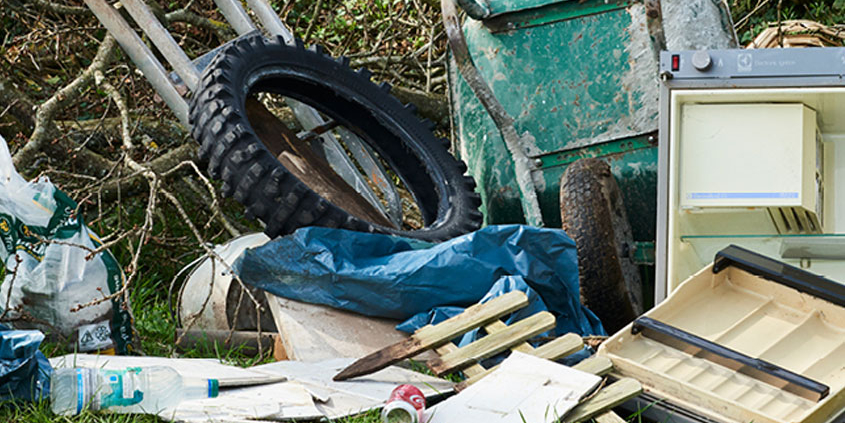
(236, 15)
(164, 42)
(141, 56)
(271, 20)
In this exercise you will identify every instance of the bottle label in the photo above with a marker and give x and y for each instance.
(123, 387)
(81, 391)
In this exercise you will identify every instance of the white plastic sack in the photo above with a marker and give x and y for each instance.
(44, 279)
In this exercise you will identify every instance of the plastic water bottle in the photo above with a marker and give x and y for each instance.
(147, 390)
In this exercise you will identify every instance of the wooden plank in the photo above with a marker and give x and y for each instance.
(552, 350)
(471, 371)
(493, 343)
(597, 365)
(432, 336)
(473, 317)
(609, 417)
(498, 326)
(560, 347)
(607, 398)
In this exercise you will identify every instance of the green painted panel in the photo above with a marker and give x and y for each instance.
(569, 84)
(498, 7)
(565, 83)
(550, 13)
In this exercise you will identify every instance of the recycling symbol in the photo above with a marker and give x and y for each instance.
(102, 333)
(87, 338)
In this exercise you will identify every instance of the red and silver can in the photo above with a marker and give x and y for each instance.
(405, 405)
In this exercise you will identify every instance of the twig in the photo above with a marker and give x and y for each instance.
(222, 29)
(739, 24)
(314, 18)
(780, 27)
(9, 285)
(153, 181)
(209, 252)
(215, 203)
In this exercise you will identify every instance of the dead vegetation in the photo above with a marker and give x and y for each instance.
(74, 108)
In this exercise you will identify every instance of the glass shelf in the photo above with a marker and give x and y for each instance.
(839, 237)
(784, 246)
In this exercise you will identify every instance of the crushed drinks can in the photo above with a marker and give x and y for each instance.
(405, 405)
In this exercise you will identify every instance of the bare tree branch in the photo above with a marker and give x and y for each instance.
(60, 9)
(47, 112)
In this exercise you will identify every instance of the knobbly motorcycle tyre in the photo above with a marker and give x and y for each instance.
(250, 173)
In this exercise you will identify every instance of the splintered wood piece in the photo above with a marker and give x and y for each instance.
(557, 348)
(607, 398)
(435, 335)
(597, 365)
(493, 343)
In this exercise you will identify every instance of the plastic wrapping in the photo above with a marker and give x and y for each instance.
(24, 371)
(398, 278)
(46, 248)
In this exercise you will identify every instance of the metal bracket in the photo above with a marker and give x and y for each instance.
(504, 122)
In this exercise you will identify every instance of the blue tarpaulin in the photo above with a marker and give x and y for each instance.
(24, 370)
(399, 278)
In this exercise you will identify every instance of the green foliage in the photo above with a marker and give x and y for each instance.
(753, 16)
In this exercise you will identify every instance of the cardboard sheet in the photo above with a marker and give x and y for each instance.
(523, 389)
(340, 399)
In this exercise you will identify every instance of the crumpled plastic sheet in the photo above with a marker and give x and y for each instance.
(24, 371)
(399, 278)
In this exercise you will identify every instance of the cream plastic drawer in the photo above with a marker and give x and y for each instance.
(745, 339)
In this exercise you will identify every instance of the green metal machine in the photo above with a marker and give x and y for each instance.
(574, 79)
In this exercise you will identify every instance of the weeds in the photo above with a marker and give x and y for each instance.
(753, 16)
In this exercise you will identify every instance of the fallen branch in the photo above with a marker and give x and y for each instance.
(429, 105)
(60, 9)
(47, 112)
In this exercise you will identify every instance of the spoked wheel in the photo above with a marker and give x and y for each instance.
(357, 158)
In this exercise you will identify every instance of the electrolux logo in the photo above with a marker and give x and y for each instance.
(744, 62)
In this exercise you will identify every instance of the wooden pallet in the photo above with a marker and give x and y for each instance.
(499, 338)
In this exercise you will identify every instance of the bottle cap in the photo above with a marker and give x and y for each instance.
(213, 388)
